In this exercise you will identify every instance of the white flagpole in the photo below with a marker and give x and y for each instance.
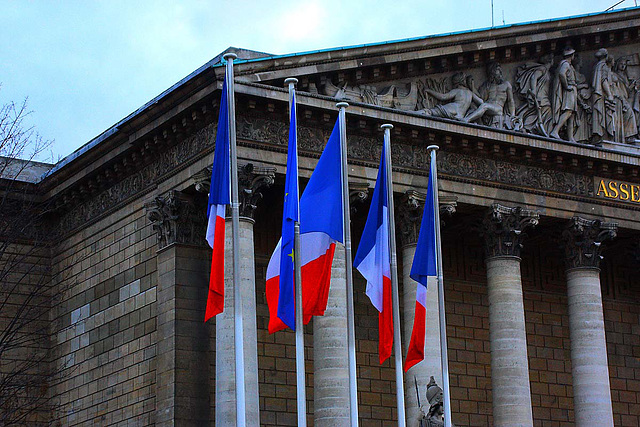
(297, 259)
(346, 228)
(235, 227)
(443, 324)
(397, 345)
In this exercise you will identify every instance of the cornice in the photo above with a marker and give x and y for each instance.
(531, 36)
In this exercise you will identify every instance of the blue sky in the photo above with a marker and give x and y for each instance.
(84, 65)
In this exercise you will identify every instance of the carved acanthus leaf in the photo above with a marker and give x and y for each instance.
(176, 219)
(583, 240)
(503, 229)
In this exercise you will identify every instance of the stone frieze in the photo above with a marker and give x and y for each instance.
(575, 96)
(312, 140)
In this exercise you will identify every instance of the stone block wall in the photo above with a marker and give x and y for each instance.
(104, 331)
(25, 301)
(622, 326)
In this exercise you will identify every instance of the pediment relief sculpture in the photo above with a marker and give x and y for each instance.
(549, 97)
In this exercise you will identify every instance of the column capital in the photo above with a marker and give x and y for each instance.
(358, 193)
(410, 211)
(583, 240)
(176, 218)
(503, 229)
(252, 180)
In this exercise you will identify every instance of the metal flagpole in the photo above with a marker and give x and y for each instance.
(235, 230)
(297, 259)
(397, 345)
(443, 324)
(346, 229)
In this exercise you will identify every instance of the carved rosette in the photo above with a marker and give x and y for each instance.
(176, 219)
(251, 181)
(503, 229)
(583, 240)
(410, 211)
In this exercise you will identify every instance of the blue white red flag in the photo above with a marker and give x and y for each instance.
(424, 266)
(219, 197)
(320, 229)
(372, 261)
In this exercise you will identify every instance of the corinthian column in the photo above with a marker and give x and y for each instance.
(410, 211)
(330, 350)
(251, 180)
(503, 229)
(591, 391)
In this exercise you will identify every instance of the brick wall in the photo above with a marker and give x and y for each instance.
(25, 302)
(104, 331)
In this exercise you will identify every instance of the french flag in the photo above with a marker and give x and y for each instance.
(423, 267)
(219, 198)
(320, 230)
(372, 261)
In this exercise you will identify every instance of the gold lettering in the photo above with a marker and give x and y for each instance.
(613, 186)
(602, 189)
(635, 189)
(624, 189)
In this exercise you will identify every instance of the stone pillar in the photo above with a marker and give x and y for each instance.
(330, 353)
(409, 220)
(590, 370)
(182, 377)
(503, 229)
(251, 180)
(330, 347)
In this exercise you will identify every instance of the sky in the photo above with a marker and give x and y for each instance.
(84, 65)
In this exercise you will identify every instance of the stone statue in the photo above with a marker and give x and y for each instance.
(583, 116)
(461, 97)
(498, 109)
(533, 85)
(434, 417)
(626, 128)
(565, 105)
(602, 102)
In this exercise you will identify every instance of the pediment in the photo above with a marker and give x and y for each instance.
(528, 97)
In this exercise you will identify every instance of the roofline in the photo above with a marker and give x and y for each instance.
(218, 62)
(432, 36)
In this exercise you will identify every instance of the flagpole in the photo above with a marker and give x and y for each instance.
(443, 324)
(397, 345)
(297, 259)
(346, 227)
(235, 231)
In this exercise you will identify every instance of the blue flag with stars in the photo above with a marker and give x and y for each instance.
(291, 214)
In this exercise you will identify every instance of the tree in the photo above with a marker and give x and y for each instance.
(25, 274)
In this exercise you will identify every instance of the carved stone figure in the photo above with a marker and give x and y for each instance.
(461, 98)
(498, 109)
(583, 115)
(565, 105)
(626, 128)
(533, 85)
(602, 104)
(390, 97)
(434, 417)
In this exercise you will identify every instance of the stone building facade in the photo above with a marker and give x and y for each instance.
(541, 237)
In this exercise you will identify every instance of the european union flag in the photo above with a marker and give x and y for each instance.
(291, 214)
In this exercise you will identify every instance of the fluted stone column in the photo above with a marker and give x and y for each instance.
(182, 377)
(330, 353)
(409, 220)
(503, 229)
(251, 180)
(330, 350)
(590, 370)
